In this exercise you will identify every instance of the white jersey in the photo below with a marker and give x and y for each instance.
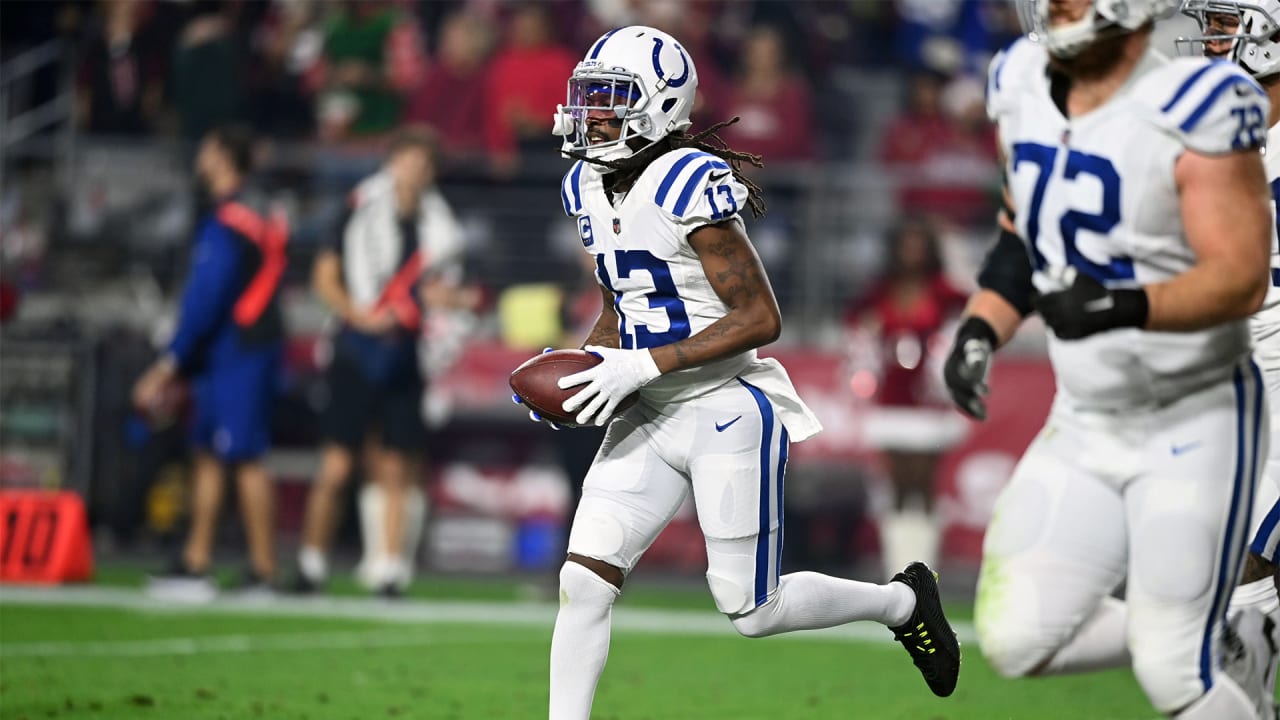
(1266, 322)
(661, 293)
(1097, 192)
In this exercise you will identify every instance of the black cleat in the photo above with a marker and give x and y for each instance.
(927, 635)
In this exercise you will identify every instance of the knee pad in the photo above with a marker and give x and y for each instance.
(1170, 682)
(583, 589)
(757, 622)
(1013, 648)
(732, 597)
(599, 535)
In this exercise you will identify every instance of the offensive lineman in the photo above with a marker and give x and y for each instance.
(686, 304)
(1136, 189)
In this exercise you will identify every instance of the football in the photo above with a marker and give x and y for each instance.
(535, 383)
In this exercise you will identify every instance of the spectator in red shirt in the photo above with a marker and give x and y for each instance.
(903, 317)
(771, 100)
(525, 82)
(452, 99)
(944, 160)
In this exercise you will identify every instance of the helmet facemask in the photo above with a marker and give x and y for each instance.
(611, 95)
(1220, 29)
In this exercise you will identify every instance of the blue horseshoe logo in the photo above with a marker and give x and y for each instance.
(657, 66)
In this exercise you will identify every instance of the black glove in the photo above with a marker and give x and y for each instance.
(1085, 307)
(968, 364)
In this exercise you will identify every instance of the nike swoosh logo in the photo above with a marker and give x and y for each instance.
(1183, 449)
(721, 176)
(722, 428)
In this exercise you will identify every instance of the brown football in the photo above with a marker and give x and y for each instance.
(536, 383)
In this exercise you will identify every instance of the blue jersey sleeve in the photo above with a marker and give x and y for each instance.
(210, 291)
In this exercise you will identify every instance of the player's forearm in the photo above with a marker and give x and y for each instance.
(996, 311)
(740, 330)
(1204, 296)
(605, 332)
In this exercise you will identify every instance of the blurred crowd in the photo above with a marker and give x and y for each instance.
(486, 73)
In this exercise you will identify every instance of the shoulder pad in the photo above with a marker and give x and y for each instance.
(1213, 107)
(694, 186)
(1012, 71)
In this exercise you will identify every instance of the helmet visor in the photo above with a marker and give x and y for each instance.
(608, 96)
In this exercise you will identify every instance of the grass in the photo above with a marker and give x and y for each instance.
(208, 663)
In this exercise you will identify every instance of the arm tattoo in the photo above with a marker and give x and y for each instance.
(740, 280)
(604, 333)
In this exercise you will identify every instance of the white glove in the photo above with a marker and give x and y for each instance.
(609, 383)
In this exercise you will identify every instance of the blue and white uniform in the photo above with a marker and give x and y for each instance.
(1145, 470)
(720, 430)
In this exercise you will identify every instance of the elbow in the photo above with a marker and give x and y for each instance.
(768, 326)
(1254, 295)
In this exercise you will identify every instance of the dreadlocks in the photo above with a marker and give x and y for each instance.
(628, 169)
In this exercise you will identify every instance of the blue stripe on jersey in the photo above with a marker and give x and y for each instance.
(670, 179)
(1221, 87)
(783, 443)
(995, 76)
(762, 539)
(575, 178)
(1217, 609)
(682, 204)
(595, 49)
(1186, 85)
(564, 194)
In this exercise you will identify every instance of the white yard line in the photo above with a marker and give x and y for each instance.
(404, 611)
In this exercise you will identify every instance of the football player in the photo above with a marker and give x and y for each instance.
(1247, 33)
(687, 303)
(1137, 217)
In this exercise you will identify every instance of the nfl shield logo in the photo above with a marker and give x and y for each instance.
(617, 226)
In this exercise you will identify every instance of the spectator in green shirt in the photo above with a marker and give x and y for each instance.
(372, 58)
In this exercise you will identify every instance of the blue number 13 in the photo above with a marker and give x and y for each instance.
(664, 296)
(1073, 221)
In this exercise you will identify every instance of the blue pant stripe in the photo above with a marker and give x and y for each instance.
(762, 540)
(783, 443)
(1261, 541)
(1217, 608)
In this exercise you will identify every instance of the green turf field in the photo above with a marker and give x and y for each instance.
(108, 652)
(471, 649)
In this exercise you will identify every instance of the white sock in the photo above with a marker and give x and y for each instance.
(906, 537)
(372, 516)
(1225, 701)
(810, 601)
(390, 570)
(313, 564)
(1099, 644)
(580, 643)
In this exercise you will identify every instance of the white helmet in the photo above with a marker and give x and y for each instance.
(1255, 43)
(1068, 40)
(643, 77)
